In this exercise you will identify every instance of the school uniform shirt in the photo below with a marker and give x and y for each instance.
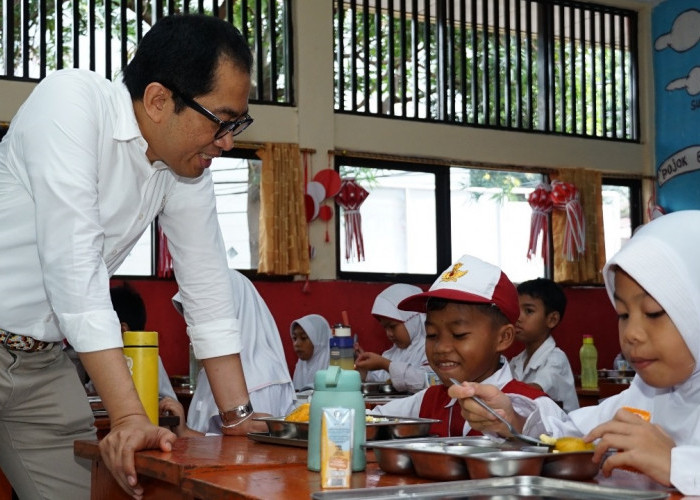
(408, 366)
(77, 193)
(662, 258)
(319, 332)
(262, 358)
(550, 369)
(434, 402)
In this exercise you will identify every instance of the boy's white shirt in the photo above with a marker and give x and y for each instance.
(550, 369)
(662, 258)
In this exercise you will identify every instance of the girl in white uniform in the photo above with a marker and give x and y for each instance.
(311, 336)
(654, 284)
(262, 356)
(405, 362)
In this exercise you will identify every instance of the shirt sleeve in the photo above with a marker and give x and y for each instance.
(407, 377)
(63, 133)
(191, 224)
(684, 469)
(402, 407)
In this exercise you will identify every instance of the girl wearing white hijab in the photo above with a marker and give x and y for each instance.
(311, 335)
(405, 362)
(262, 356)
(654, 284)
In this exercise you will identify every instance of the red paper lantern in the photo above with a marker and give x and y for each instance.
(350, 197)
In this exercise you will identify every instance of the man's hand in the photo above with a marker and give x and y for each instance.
(127, 436)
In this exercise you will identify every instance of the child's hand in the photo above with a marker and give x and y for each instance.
(478, 418)
(170, 406)
(371, 361)
(358, 349)
(641, 445)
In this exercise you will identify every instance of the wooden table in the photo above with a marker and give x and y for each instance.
(215, 468)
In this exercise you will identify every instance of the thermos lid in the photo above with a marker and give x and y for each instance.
(347, 342)
(140, 339)
(337, 379)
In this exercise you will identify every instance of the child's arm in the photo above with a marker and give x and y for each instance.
(372, 361)
(641, 445)
(175, 408)
(478, 418)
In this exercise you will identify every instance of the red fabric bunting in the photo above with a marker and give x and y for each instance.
(541, 203)
(566, 197)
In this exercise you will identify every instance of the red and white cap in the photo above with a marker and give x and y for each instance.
(470, 280)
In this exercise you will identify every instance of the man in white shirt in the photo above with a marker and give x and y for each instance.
(85, 167)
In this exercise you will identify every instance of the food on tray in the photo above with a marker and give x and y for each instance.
(566, 443)
(299, 414)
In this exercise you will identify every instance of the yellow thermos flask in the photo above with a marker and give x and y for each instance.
(141, 353)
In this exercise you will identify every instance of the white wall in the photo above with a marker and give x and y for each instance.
(313, 124)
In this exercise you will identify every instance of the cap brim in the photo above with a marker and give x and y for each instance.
(419, 301)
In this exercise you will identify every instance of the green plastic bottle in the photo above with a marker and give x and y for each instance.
(589, 363)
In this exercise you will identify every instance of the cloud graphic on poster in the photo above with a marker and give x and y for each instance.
(684, 33)
(691, 83)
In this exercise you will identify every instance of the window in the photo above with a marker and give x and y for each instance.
(621, 212)
(555, 66)
(37, 38)
(409, 207)
(140, 260)
(237, 188)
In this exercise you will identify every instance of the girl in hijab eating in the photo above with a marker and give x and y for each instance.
(311, 335)
(405, 363)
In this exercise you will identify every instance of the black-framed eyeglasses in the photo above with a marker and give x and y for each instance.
(234, 127)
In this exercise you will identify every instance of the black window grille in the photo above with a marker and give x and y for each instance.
(553, 66)
(40, 36)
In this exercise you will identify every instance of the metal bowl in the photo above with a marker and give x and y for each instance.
(575, 465)
(388, 428)
(398, 427)
(504, 463)
(374, 388)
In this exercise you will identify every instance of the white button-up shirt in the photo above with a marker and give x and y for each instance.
(76, 193)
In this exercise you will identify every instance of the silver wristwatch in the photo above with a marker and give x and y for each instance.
(235, 416)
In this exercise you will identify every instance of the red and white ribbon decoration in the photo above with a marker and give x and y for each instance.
(565, 196)
(541, 203)
(350, 197)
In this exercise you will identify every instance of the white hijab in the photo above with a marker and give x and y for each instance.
(662, 257)
(386, 304)
(262, 354)
(319, 332)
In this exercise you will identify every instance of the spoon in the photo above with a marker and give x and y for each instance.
(511, 429)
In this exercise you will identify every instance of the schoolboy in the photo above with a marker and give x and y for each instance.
(471, 310)
(654, 284)
(542, 363)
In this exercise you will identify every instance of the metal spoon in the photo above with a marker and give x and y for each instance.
(511, 429)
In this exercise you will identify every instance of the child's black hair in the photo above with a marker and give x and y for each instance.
(491, 310)
(550, 293)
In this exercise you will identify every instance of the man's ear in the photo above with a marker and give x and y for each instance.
(506, 336)
(157, 101)
(553, 319)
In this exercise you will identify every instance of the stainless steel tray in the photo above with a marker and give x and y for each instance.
(504, 488)
(266, 437)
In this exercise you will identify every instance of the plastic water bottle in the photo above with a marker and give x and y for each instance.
(589, 363)
(342, 351)
(141, 353)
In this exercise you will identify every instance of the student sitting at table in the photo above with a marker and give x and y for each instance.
(310, 335)
(405, 363)
(542, 364)
(654, 285)
(471, 309)
(262, 356)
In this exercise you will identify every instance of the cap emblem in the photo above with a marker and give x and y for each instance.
(453, 274)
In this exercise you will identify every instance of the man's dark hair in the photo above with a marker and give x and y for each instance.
(551, 294)
(129, 307)
(183, 52)
(497, 317)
